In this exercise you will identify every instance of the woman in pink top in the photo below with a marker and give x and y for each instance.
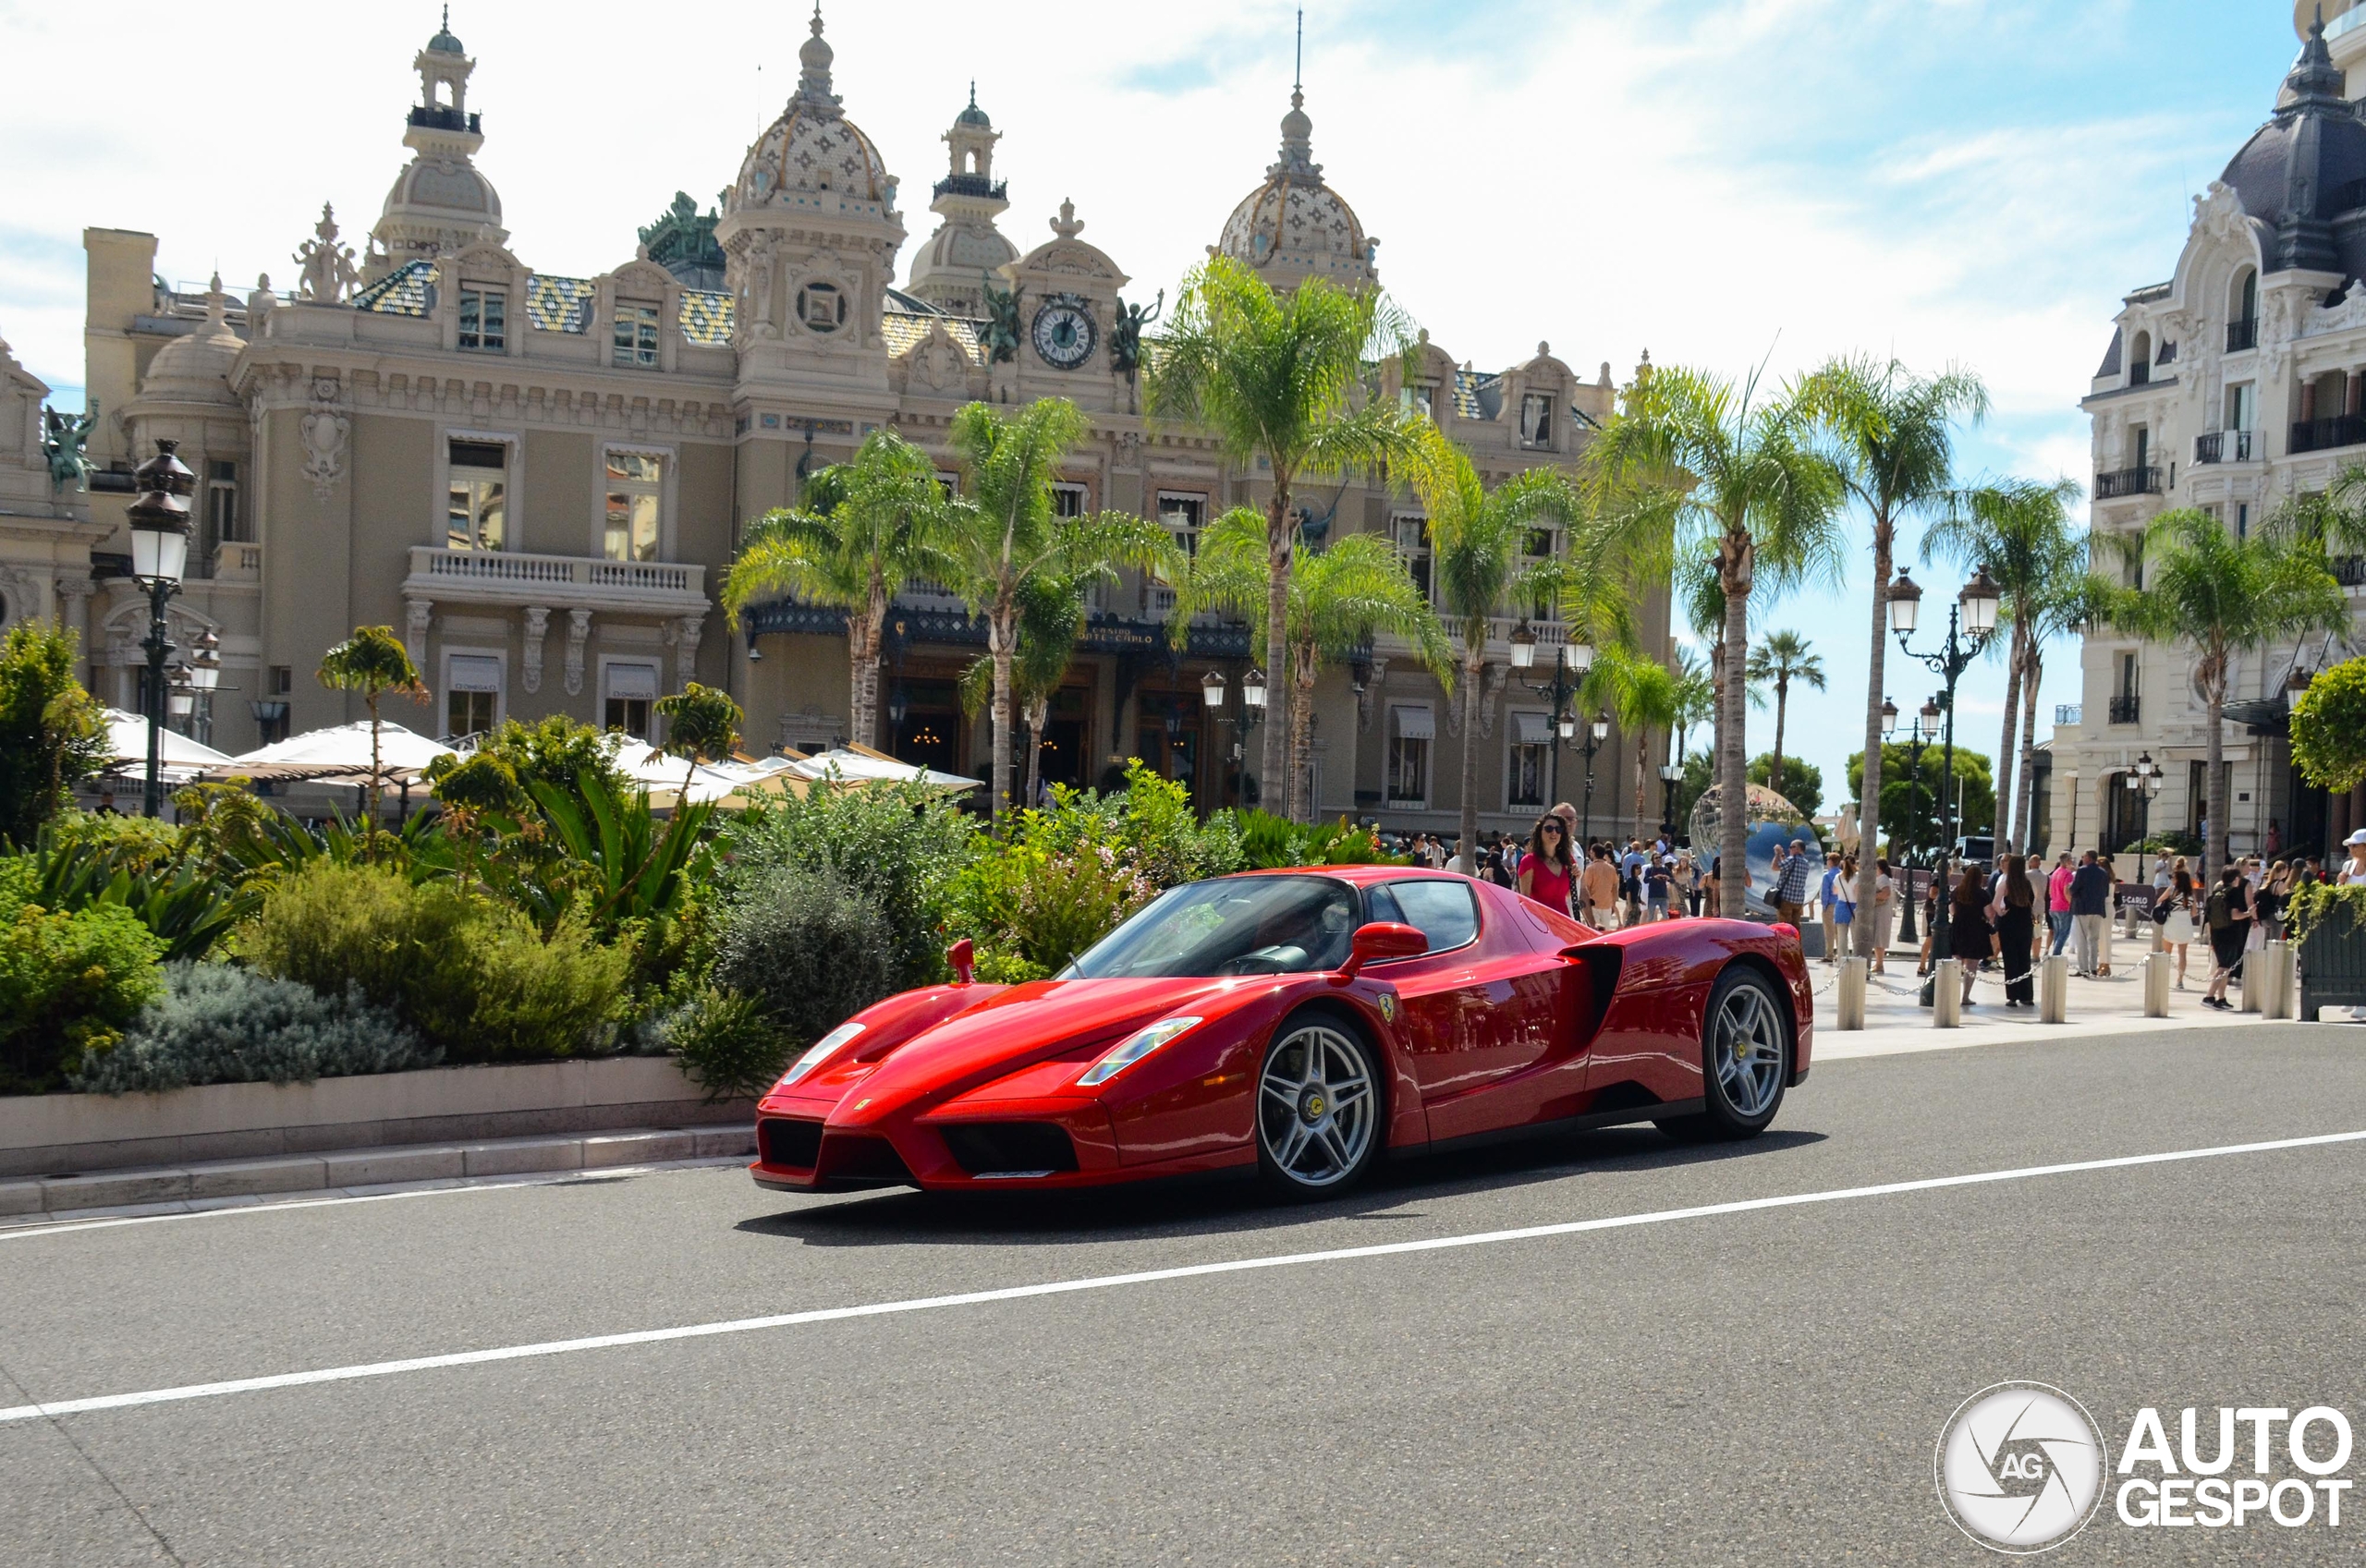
(2057, 901)
(1548, 871)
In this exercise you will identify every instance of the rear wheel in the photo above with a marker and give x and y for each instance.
(1318, 1108)
(1745, 1059)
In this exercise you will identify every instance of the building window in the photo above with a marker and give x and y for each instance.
(635, 482)
(1410, 731)
(1536, 418)
(1412, 539)
(1423, 395)
(472, 694)
(2141, 442)
(627, 691)
(821, 307)
(222, 499)
(636, 339)
(1184, 516)
(2242, 519)
(283, 679)
(484, 321)
(1532, 759)
(1070, 500)
(477, 514)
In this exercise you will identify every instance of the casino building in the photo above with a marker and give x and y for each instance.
(537, 481)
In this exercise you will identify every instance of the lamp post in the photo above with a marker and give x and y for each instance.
(1569, 672)
(1669, 773)
(205, 678)
(1972, 621)
(159, 521)
(1596, 733)
(1918, 735)
(1252, 711)
(2144, 783)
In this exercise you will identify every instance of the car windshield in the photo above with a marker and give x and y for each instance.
(1233, 926)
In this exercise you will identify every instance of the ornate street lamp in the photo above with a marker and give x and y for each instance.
(1212, 689)
(1252, 687)
(159, 521)
(205, 676)
(1918, 735)
(1971, 620)
(1569, 672)
(1596, 733)
(1523, 641)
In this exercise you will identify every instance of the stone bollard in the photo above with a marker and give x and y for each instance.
(2283, 994)
(2158, 967)
(1850, 996)
(2160, 937)
(1947, 995)
(2054, 989)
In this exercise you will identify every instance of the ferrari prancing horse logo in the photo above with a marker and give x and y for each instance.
(1388, 1007)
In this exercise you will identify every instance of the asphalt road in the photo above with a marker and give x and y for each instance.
(1756, 1386)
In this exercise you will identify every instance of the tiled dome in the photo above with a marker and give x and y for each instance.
(1296, 222)
(812, 147)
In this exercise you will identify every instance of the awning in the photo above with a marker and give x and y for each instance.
(1532, 729)
(1414, 724)
(632, 682)
(472, 672)
(339, 753)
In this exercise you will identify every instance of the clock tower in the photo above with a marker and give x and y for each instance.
(1068, 302)
(950, 271)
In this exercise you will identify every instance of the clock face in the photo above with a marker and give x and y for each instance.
(1064, 335)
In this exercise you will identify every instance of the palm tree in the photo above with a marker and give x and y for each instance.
(1699, 461)
(1051, 618)
(1338, 599)
(2077, 599)
(1644, 696)
(2020, 531)
(1696, 704)
(1783, 658)
(372, 661)
(1480, 565)
(2220, 596)
(1001, 536)
(1280, 380)
(700, 726)
(1894, 434)
(864, 530)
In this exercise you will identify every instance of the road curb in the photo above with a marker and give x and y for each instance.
(211, 1182)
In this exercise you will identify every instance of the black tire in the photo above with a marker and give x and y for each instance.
(1318, 1135)
(1740, 1089)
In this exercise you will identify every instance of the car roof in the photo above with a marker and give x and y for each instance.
(1359, 875)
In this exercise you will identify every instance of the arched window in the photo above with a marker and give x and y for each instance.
(2242, 311)
(2140, 361)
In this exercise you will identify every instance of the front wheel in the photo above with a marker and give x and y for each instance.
(1745, 1059)
(1318, 1108)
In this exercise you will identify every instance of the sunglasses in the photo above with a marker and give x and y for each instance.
(1551, 828)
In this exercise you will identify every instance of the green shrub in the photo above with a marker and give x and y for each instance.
(2328, 905)
(475, 978)
(2329, 728)
(813, 949)
(901, 847)
(728, 1043)
(219, 1024)
(52, 733)
(69, 984)
(1268, 842)
(188, 909)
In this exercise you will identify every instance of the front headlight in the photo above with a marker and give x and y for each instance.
(819, 1051)
(1132, 1048)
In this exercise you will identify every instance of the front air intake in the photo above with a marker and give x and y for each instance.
(994, 1149)
(791, 1144)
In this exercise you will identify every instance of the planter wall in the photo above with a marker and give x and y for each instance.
(2333, 969)
(53, 1134)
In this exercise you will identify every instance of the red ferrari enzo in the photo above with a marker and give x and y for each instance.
(1298, 1022)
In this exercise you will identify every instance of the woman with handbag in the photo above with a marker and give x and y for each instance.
(1972, 938)
(2178, 908)
(2229, 913)
(2016, 907)
(1884, 913)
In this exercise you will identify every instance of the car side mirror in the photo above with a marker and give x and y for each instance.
(1381, 940)
(963, 956)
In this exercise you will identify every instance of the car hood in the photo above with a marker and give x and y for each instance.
(1037, 1022)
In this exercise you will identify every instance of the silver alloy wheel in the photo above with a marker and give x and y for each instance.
(1316, 1106)
(1746, 1044)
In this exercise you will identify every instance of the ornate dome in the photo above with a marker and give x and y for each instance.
(2307, 165)
(196, 368)
(1294, 225)
(443, 43)
(973, 115)
(812, 147)
(444, 187)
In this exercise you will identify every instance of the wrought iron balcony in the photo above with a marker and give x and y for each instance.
(2226, 446)
(2242, 335)
(2139, 373)
(2121, 482)
(2324, 435)
(2125, 708)
(437, 116)
(972, 184)
(2349, 570)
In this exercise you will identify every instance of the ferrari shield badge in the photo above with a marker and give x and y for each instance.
(1388, 1007)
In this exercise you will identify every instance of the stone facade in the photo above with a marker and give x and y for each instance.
(537, 481)
(2235, 386)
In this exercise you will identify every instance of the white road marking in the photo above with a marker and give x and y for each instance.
(1144, 1277)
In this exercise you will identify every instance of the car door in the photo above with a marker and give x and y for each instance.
(1482, 1004)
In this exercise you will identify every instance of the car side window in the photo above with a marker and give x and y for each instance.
(1443, 911)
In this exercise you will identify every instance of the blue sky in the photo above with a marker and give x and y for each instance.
(1967, 181)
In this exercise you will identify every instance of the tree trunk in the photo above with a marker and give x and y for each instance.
(2025, 816)
(1299, 803)
(1474, 670)
(1716, 705)
(863, 636)
(1782, 710)
(1733, 782)
(1643, 755)
(370, 829)
(1278, 541)
(1869, 793)
(1035, 718)
(1002, 633)
(2005, 754)
(2213, 785)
